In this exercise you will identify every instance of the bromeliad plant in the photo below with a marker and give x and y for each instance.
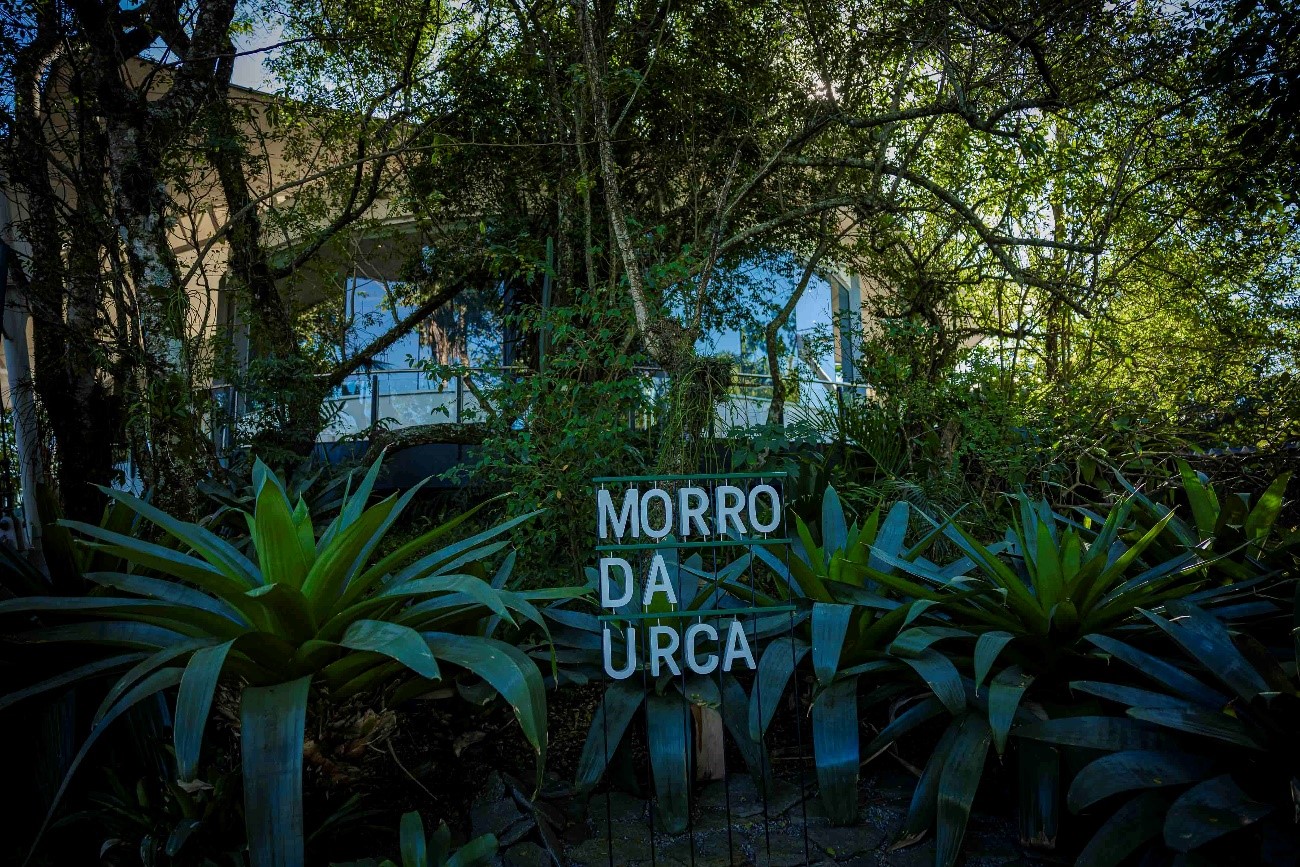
(849, 629)
(860, 601)
(311, 610)
(1241, 534)
(434, 850)
(1054, 581)
(1206, 749)
(231, 498)
(159, 821)
(1031, 600)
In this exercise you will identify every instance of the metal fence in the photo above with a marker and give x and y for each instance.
(408, 397)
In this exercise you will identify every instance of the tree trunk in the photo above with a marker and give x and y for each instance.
(88, 427)
(171, 427)
(282, 371)
(27, 435)
(776, 409)
(665, 340)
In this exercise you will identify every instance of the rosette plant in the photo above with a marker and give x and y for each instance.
(434, 850)
(309, 611)
(1204, 763)
(1241, 533)
(1038, 601)
(665, 700)
(860, 600)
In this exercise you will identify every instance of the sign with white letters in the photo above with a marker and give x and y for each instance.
(641, 518)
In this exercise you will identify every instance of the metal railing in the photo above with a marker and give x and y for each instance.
(406, 397)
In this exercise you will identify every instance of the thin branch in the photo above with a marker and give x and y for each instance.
(403, 327)
(714, 242)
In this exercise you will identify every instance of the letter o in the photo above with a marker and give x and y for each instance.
(662, 495)
(753, 511)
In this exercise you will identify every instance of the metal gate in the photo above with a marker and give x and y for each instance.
(695, 615)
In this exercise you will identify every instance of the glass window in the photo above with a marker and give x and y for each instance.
(465, 331)
(374, 307)
(806, 345)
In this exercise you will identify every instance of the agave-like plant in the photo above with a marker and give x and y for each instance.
(1206, 748)
(665, 700)
(846, 621)
(855, 619)
(311, 609)
(231, 497)
(1241, 533)
(1032, 599)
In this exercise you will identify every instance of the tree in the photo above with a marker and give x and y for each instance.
(662, 147)
(116, 161)
(86, 148)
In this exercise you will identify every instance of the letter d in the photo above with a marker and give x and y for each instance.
(606, 599)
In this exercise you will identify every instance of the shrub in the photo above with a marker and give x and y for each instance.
(1038, 599)
(666, 701)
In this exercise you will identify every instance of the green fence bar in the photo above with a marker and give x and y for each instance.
(697, 477)
(717, 543)
(685, 615)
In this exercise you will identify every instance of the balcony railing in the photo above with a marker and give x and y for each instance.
(408, 397)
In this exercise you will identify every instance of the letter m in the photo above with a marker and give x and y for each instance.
(622, 522)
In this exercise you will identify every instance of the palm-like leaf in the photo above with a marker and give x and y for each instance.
(1222, 758)
(297, 609)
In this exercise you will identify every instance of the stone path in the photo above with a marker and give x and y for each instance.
(749, 838)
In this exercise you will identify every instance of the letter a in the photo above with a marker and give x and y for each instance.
(737, 647)
(658, 582)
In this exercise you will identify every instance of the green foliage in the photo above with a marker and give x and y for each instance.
(665, 700)
(1031, 600)
(860, 601)
(285, 406)
(1242, 536)
(434, 850)
(307, 609)
(323, 489)
(161, 821)
(548, 434)
(1055, 581)
(1210, 751)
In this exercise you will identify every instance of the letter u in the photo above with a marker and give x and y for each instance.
(608, 648)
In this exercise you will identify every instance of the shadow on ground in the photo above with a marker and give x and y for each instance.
(730, 824)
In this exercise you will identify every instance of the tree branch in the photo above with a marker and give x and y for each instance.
(650, 331)
(346, 367)
(776, 408)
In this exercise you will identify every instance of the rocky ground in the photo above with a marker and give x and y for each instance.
(616, 829)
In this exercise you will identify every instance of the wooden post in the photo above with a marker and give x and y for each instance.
(710, 758)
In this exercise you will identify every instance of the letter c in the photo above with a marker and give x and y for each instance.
(711, 660)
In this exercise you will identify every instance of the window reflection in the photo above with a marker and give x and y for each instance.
(806, 345)
(465, 331)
